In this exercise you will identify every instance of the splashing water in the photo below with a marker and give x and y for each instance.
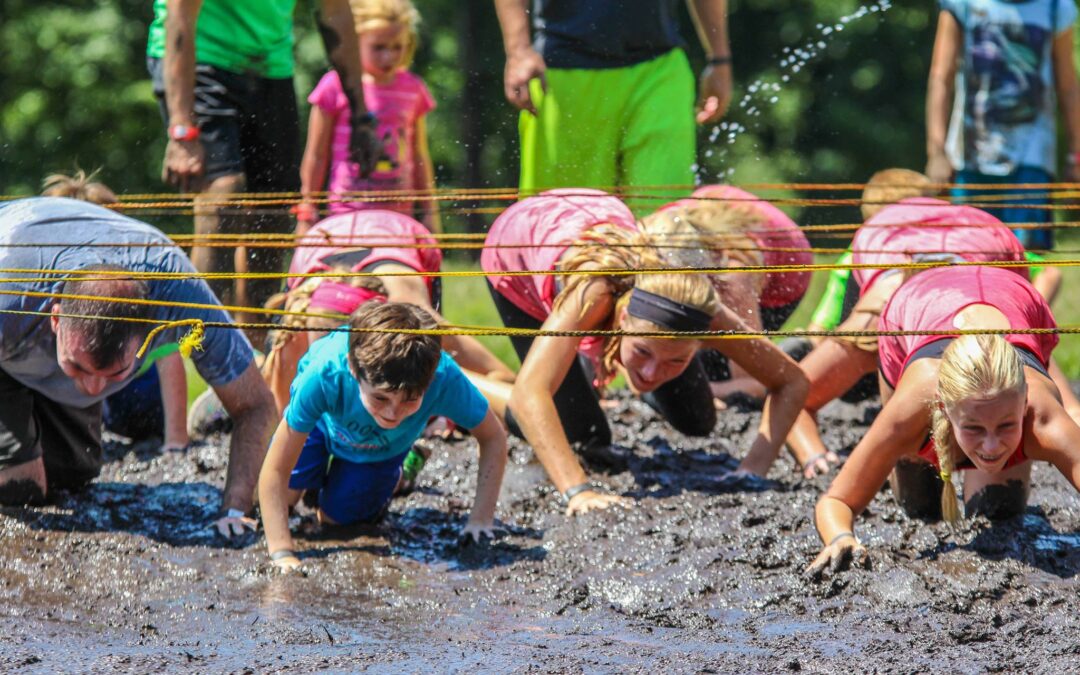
(763, 93)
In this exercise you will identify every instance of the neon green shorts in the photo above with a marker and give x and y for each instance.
(611, 127)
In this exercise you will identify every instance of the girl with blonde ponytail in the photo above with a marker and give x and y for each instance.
(981, 404)
(554, 404)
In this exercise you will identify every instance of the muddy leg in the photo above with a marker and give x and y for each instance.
(23, 483)
(212, 219)
(917, 486)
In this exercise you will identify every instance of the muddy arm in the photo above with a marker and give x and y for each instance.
(274, 498)
(489, 473)
(786, 383)
(1057, 436)
(251, 407)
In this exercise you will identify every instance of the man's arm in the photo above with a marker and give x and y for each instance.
(183, 164)
(1068, 93)
(338, 31)
(939, 93)
(710, 20)
(523, 63)
(251, 407)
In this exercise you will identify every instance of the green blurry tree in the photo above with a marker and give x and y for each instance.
(75, 91)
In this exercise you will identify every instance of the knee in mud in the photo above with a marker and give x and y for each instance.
(22, 492)
(998, 502)
(917, 489)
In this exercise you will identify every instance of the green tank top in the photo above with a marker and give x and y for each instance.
(241, 36)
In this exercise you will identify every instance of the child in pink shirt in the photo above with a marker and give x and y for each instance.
(399, 102)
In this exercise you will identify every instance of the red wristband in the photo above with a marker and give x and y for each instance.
(183, 132)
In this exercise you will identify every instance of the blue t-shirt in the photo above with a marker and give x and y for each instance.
(1004, 113)
(325, 393)
(59, 232)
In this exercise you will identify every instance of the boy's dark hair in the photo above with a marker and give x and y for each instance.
(105, 341)
(396, 361)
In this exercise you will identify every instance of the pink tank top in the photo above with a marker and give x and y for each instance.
(932, 299)
(920, 228)
(540, 229)
(776, 230)
(374, 235)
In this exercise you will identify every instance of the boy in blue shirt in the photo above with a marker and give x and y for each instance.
(359, 401)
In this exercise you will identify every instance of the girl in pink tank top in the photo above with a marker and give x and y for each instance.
(554, 404)
(362, 241)
(983, 403)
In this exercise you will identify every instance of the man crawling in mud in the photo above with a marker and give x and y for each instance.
(67, 265)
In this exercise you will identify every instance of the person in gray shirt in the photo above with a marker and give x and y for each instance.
(57, 365)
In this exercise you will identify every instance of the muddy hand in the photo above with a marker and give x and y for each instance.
(590, 500)
(234, 523)
(838, 556)
(476, 533)
(820, 464)
(364, 147)
(288, 563)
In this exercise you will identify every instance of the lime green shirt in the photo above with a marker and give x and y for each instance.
(241, 36)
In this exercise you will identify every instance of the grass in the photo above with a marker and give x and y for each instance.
(466, 301)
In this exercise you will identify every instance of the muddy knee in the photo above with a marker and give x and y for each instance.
(998, 502)
(917, 489)
(23, 484)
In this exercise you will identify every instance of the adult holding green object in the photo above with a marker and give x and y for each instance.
(606, 91)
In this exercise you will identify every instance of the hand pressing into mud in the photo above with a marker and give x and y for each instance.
(590, 500)
(844, 551)
(820, 464)
(234, 523)
(286, 561)
(478, 533)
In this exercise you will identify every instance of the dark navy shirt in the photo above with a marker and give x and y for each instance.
(604, 33)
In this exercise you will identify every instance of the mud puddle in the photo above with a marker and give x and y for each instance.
(698, 576)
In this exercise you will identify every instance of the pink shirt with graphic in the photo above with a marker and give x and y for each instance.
(776, 231)
(377, 235)
(920, 228)
(932, 299)
(397, 106)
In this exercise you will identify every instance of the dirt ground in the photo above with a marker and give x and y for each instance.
(698, 576)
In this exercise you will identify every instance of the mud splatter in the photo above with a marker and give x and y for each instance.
(698, 576)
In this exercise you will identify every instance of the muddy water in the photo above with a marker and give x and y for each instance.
(697, 577)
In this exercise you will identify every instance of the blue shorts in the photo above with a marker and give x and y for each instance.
(1013, 210)
(349, 492)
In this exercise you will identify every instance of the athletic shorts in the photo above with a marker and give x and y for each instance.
(137, 411)
(67, 438)
(349, 492)
(248, 125)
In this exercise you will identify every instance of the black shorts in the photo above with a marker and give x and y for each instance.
(248, 125)
(67, 438)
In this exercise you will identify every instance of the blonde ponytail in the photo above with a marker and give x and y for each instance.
(973, 366)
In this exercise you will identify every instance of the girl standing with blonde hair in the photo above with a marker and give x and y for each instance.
(398, 102)
(982, 404)
(554, 404)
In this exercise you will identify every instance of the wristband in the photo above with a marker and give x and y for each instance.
(234, 513)
(283, 553)
(183, 132)
(719, 60)
(574, 491)
(839, 537)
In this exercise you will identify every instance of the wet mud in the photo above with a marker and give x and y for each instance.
(699, 576)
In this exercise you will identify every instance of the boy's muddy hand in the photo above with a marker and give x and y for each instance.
(843, 552)
(820, 464)
(234, 523)
(289, 563)
(590, 500)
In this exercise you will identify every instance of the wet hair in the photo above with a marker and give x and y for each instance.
(607, 247)
(78, 186)
(708, 234)
(395, 361)
(375, 14)
(973, 366)
(105, 341)
(891, 185)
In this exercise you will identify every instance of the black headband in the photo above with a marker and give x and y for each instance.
(667, 313)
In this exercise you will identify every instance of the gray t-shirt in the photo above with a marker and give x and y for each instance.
(59, 230)
(1004, 113)
(604, 33)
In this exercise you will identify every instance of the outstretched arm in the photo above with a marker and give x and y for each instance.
(172, 380)
(251, 407)
(313, 167)
(1057, 436)
(184, 160)
(898, 430)
(489, 474)
(785, 381)
(274, 498)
